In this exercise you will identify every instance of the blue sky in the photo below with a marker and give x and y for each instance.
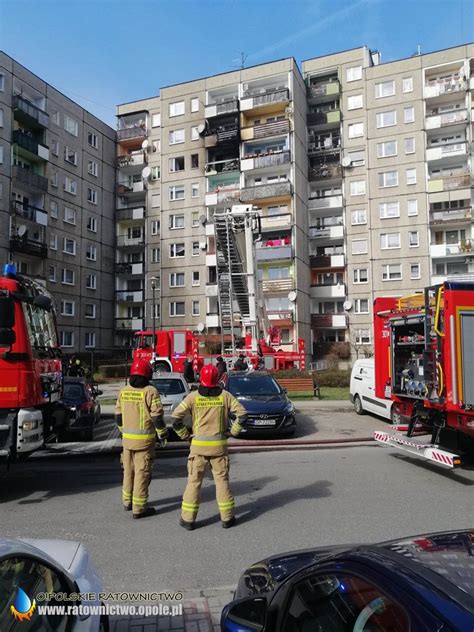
(104, 52)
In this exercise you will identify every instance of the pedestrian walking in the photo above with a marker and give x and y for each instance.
(139, 416)
(210, 408)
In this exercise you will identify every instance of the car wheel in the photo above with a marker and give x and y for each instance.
(358, 405)
(393, 416)
(162, 367)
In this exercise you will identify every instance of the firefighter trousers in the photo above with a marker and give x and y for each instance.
(197, 465)
(137, 469)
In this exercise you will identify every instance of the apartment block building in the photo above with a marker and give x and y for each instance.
(57, 203)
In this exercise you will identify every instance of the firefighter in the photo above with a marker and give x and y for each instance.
(139, 416)
(209, 407)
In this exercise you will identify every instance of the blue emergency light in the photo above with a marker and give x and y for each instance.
(9, 269)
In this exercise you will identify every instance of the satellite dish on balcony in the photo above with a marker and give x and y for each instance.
(146, 173)
(201, 327)
(201, 129)
(292, 296)
(21, 231)
(347, 305)
(346, 161)
(145, 145)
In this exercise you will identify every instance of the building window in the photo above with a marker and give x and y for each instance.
(195, 251)
(53, 178)
(389, 241)
(407, 84)
(196, 308)
(388, 179)
(355, 102)
(415, 272)
(195, 219)
(409, 145)
(69, 246)
(55, 116)
(176, 221)
(53, 242)
(93, 140)
(384, 89)
(71, 126)
(89, 340)
(52, 274)
(388, 210)
(386, 119)
(91, 252)
(92, 224)
(91, 281)
(411, 176)
(69, 215)
(361, 306)
(412, 208)
(392, 272)
(357, 187)
(92, 168)
(355, 130)
(176, 136)
(362, 336)
(176, 164)
(196, 278)
(177, 279)
(386, 149)
(177, 308)
(359, 217)
(155, 227)
(54, 147)
(156, 120)
(67, 277)
(90, 310)
(354, 73)
(195, 189)
(67, 308)
(195, 104)
(176, 109)
(155, 255)
(409, 115)
(194, 161)
(53, 209)
(67, 338)
(359, 247)
(155, 173)
(2, 82)
(177, 250)
(361, 275)
(92, 196)
(70, 155)
(176, 192)
(194, 133)
(70, 186)
(357, 158)
(414, 239)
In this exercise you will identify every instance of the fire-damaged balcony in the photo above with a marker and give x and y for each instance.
(323, 119)
(324, 171)
(221, 131)
(221, 166)
(264, 161)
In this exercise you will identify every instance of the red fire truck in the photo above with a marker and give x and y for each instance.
(424, 362)
(30, 366)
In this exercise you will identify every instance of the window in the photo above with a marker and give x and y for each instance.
(384, 89)
(414, 238)
(155, 227)
(54, 147)
(70, 186)
(52, 274)
(2, 82)
(91, 252)
(55, 116)
(71, 126)
(359, 217)
(386, 149)
(354, 73)
(386, 119)
(357, 187)
(196, 308)
(361, 306)
(359, 246)
(176, 109)
(90, 310)
(93, 140)
(177, 279)
(92, 196)
(357, 158)
(176, 308)
(176, 164)
(70, 155)
(67, 339)
(176, 192)
(69, 215)
(194, 161)
(389, 241)
(361, 275)
(355, 102)
(355, 130)
(176, 136)
(392, 272)
(415, 272)
(53, 242)
(411, 176)
(53, 178)
(67, 277)
(387, 210)
(92, 224)
(155, 255)
(53, 209)
(362, 337)
(89, 339)
(195, 189)
(156, 120)
(91, 281)
(388, 179)
(194, 133)
(195, 251)
(92, 168)
(409, 115)
(407, 84)
(155, 173)
(67, 308)
(176, 221)
(412, 208)
(195, 104)
(69, 246)
(196, 278)
(195, 219)
(409, 145)
(176, 250)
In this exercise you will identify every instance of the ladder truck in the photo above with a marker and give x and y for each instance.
(424, 363)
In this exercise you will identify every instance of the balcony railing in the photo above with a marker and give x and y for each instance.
(337, 321)
(327, 146)
(129, 268)
(224, 107)
(448, 118)
(438, 152)
(446, 183)
(324, 171)
(25, 110)
(252, 99)
(273, 190)
(278, 285)
(125, 240)
(286, 315)
(130, 160)
(29, 178)
(323, 118)
(319, 90)
(335, 290)
(128, 188)
(134, 324)
(330, 201)
(326, 261)
(27, 246)
(129, 296)
(28, 143)
(269, 160)
(277, 128)
(133, 131)
(327, 232)
(127, 214)
(274, 253)
(222, 166)
(448, 250)
(30, 213)
(449, 86)
(457, 215)
(272, 222)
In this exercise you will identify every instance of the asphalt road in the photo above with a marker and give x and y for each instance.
(285, 500)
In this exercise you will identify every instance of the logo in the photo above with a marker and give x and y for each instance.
(264, 416)
(22, 609)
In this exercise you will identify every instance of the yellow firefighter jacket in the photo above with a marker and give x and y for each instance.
(138, 406)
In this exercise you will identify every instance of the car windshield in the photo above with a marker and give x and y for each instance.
(73, 391)
(248, 386)
(169, 386)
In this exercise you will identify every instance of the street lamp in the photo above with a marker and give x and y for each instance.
(153, 289)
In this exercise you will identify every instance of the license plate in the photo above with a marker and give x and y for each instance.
(264, 422)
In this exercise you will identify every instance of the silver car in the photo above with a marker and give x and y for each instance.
(30, 568)
(172, 388)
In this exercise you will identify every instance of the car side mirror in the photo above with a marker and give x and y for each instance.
(244, 615)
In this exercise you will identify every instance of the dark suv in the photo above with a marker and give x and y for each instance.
(270, 412)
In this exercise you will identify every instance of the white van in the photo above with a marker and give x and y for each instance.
(362, 390)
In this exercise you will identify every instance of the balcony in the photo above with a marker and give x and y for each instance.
(256, 132)
(446, 150)
(439, 251)
(211, 260)
(130, 214)
(440, 88)
(227, 106)
(327, 146)
(134, 133)
(127, 269)
(324, 171)
(323, 90)
(443, 120)
(129, 296)
(213, 320)
(323, 203)
(266, 191)
(25, 112)
(328, 291)
(29, 178)
(33, 247)
(29, 147)
(456, 216)
(448, 183)
(130, 161)
(273, 222)
(266, 100)
(221, 166)
(325, 262)
(266, 161)
(326, 321)
(323, 119)
(284, 317)
(278, 285)
(124, 241)
(131, 189)
(274, 253)
(222, 196)
(30, 213)
(211, 289)
(132, 324)
(326, 232)
(223, 134)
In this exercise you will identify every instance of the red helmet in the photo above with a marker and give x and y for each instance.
(141, 367)
(209, 375)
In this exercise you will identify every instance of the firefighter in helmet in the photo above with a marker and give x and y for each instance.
(209, 407)
(139, 416)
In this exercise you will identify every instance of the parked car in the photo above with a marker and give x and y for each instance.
(269, 410)
(172, 388)
(422, 583)
(362, 390)
(80, 397)
(30, 567)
